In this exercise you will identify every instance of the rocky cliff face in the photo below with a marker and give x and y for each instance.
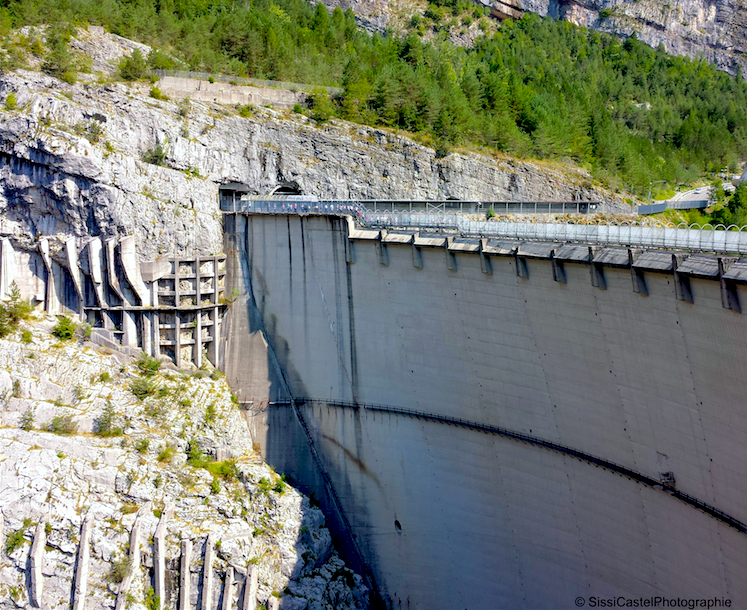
(714, 29)
(75, 162)
(60, 479)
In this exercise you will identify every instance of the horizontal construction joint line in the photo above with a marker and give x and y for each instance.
(536, 441)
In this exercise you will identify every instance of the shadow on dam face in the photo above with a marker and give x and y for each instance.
(530, 431)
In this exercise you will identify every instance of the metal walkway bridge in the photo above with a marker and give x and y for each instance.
(462, 217)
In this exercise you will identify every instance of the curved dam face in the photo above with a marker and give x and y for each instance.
(499, 431)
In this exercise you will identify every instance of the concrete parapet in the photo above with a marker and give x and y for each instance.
(36, 563)
(250, 589)
(184, 577)
(159, 555)
(228, 589)
(207, 574)
(82, 569)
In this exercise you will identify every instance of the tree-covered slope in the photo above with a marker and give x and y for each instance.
(537, 88)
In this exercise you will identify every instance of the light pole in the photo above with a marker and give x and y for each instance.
(650, 184)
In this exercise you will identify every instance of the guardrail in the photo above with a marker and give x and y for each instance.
(698, 238)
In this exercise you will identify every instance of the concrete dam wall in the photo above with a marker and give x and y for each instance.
(512, 430)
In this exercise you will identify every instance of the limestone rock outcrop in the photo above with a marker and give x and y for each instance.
(714, 29)
(50, 483)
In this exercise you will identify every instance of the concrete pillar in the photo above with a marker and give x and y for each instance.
(486, 266)
(159, 555)
(51, 304)
(81, 571)
(129, 328)
(177, 321)
(97, 277)
(197, 333)
(111, 268)
(250, 589)
(207, 574)
(228, 590)
(155, 321)
(7, 267)
(184, 577)
(451, 264)
(124, 587)
(36, 563)
(147, 328)
(131, 267)
(71, 257)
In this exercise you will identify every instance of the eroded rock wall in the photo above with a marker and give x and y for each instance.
(74, 162)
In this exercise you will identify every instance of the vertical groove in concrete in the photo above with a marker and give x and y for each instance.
(250, 589)
(159, 555)
(124, 586)
(207, 574)
(184, 582)
(81, 571)
(228, 590)
(36, 561)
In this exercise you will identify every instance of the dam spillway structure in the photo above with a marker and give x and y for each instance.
(501, 422)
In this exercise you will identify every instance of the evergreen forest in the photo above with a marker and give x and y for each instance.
(535, 88)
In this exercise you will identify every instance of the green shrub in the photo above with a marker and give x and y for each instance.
(133, 67)
(225, 470)
(142, 445)
(14, 540)
(105, 423)
(157, 94)
(264, 486)
(166, 454)
(156, 155)
(59, 60)
(119, 569)
(210, 413)
(13, 310)
(105, 377)
(148, 366)
(11, 101)
(64, 330)
(26, 336)
(27, 420)
(280, 485)
(215, 486)
(63, 425)
(142, 388)
(195, 457)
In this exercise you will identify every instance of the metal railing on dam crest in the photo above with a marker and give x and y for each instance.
(459, 217)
